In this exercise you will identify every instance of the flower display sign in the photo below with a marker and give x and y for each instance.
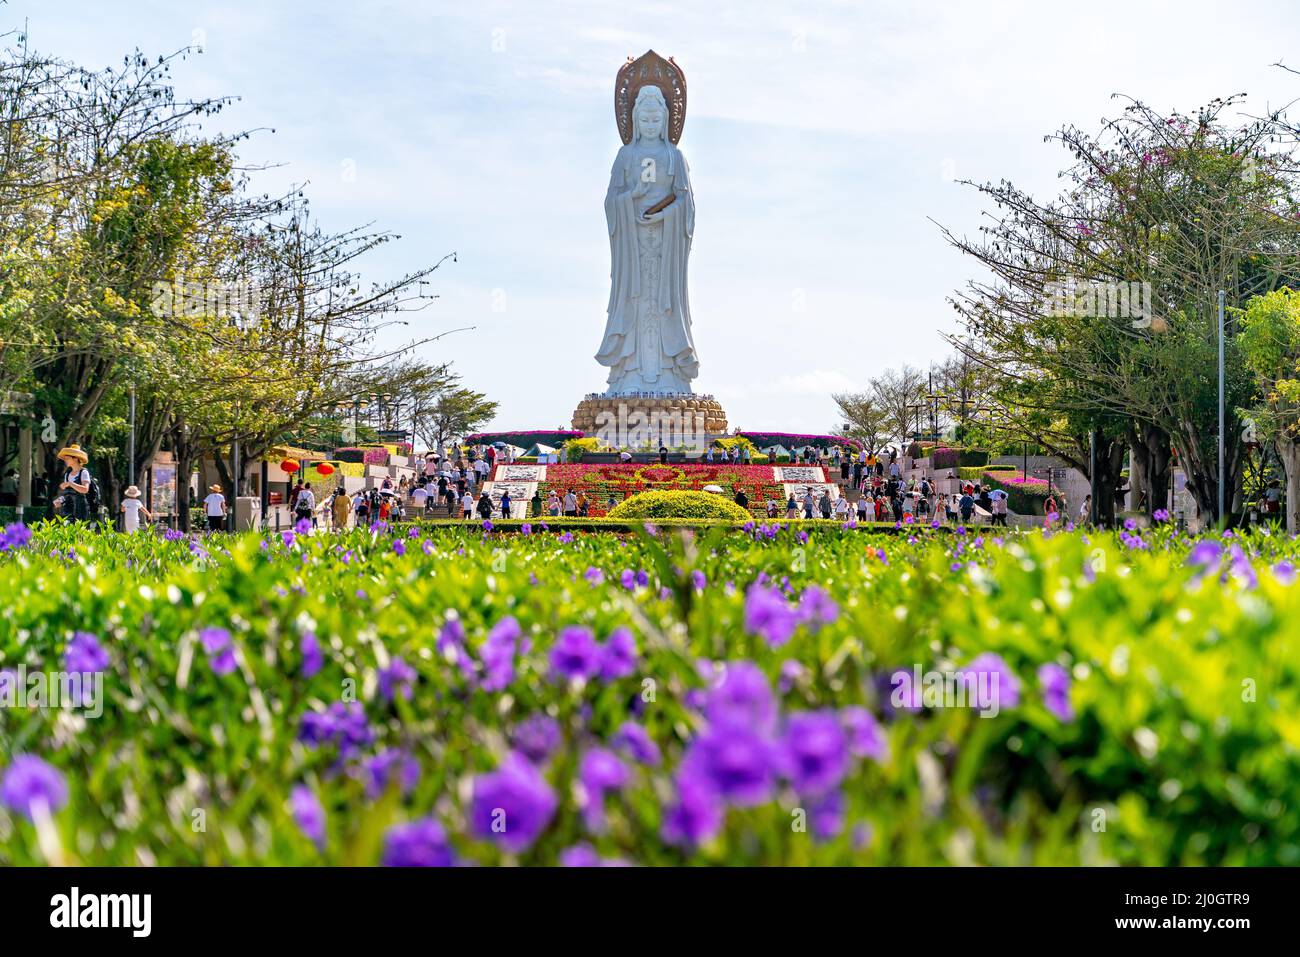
(600, 482)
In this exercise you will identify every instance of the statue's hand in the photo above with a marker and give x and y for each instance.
(640, 189)
(654, 217)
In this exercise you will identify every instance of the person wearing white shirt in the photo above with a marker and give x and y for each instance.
(132, 508)
(419, 498)
(999, 506)
(467, 504)
(570, 504)
(214, 507)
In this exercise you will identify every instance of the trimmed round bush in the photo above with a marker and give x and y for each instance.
(681, 504)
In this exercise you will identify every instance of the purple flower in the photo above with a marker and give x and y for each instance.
(575, 654)
(695, 818)
(734, 762)
(618, 655)
(399, 548)
(1285, 572)
(342, 724)
(698, 581)
(768, 614)
(792, 672)
(1160, 515)
(417, 844)
(302, 526)
(601, 772)
(743, 696)
(815, 751)
(15, 536)
(498, 654)
(84, 654)
(312, 658)
(594, 575)
(308, 814)
(31, 785)
(451, 646)
(1205, 555)
(512, 805)
(861, 836)
(632, 738)
(220, 648)
(396, 680)
(1055, 682)
(816, 607)
(1003, 685)
(826, 816)
(628, 579)
(536, 737)
(584, 855)
(1241, 567)
(903, 694)
(526, 529)
(387, 767)
(866, 740)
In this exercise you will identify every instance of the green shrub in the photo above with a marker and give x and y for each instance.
(976, 473)
(575, 448)
(680, 504)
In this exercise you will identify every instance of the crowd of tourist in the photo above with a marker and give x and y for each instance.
(864, 486)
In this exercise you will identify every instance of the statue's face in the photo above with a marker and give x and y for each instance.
(652, 122)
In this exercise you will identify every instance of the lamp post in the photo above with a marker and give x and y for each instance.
(130, 469)
(1222, 470)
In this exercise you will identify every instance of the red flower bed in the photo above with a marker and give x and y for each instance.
(620, 480)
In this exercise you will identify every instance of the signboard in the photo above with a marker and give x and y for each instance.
(162, 489)
(275, 498)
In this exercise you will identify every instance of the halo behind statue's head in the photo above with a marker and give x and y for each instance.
(650, 71)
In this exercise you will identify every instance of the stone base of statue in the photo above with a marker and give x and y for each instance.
(688, 418)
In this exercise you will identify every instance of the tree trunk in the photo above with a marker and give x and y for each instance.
(1109, 466)
(1288, 450)
(1151, 459)
(1139, 466)
(227, 480)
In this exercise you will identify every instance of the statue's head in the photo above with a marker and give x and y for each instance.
(650, 114)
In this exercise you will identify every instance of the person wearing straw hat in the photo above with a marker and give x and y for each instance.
(76, 483)
(214, 507)
(132, 508)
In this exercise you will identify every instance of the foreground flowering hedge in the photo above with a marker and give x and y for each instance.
(719, 697)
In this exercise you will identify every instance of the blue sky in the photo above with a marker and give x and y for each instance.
(823, 137)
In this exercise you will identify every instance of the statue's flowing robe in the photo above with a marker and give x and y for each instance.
(633, 368)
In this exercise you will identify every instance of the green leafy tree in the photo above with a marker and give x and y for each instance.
(1269, 337)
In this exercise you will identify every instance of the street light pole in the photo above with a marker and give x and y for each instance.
(130, 472)
(1222, 470)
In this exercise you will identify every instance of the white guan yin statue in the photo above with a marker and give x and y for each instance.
(650, 211)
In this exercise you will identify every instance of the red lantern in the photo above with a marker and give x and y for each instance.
(289, 466)
(325, 469)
